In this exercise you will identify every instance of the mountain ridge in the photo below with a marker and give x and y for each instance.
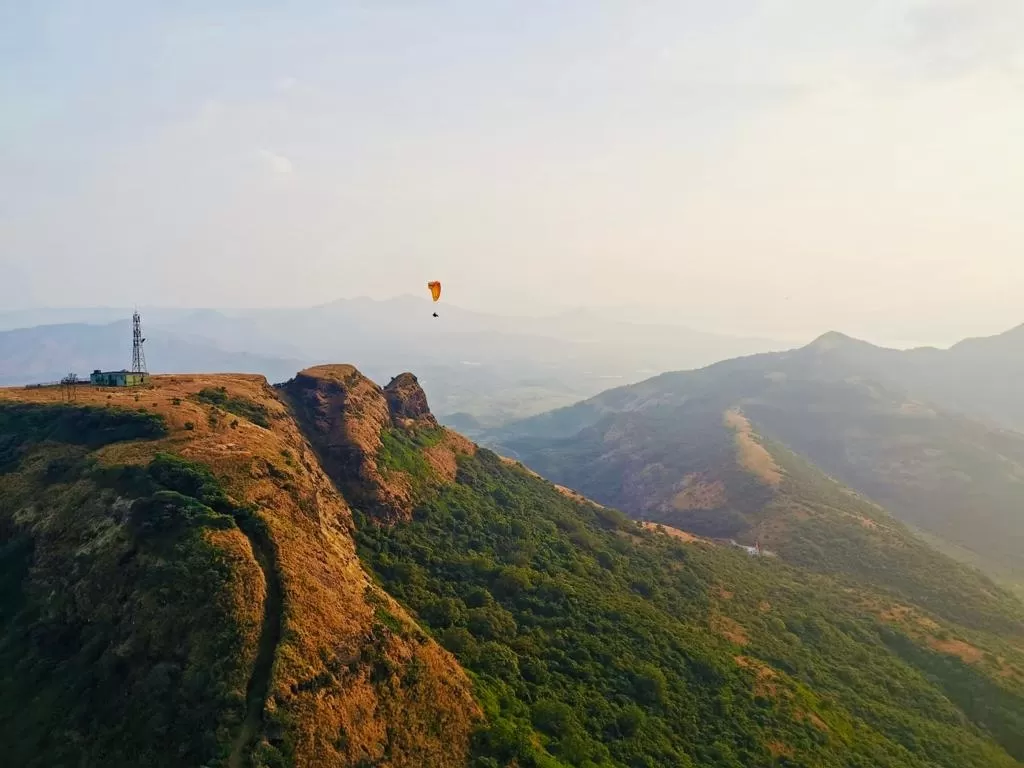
(907, 448)
(338, 631)
(441, 605)
(491, 366)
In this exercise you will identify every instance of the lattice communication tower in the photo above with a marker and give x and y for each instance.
(138, 354)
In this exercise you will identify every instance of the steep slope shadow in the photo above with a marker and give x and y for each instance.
(270, 636)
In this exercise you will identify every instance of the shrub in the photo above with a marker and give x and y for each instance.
(218, 397)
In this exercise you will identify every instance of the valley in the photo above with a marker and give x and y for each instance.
(677, 448)
(505, 385)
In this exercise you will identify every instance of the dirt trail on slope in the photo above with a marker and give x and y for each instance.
(270, 636)
(753, 456)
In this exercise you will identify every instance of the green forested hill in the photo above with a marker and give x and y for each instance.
(601, 644)
(593, 642)
(182, 584)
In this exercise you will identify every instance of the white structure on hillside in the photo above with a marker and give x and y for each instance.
(754, 551)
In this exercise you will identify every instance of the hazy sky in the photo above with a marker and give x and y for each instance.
(768, 166)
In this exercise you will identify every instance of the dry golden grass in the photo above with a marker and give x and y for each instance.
(443, 457)
(765, 678)
(675, 533)
(569, 493)
(779, 749)
(865, 522)
(813, 719)
(1009, 671)
(927, 632)
(328, 622)
(964, 651)
(698, 494)
(752, 456)
(518, 464)
(728, 628)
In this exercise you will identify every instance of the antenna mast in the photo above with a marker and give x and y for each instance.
(69, 388)
(138, 354)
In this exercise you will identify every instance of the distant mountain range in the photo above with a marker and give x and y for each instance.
(981, 377)
(46, 353)
(479, 369)
(926, 433)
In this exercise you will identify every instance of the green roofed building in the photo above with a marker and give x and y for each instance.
(117, 378)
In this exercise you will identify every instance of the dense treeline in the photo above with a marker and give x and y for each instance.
(596, 644)
(639, 459)
(850, 537)
(240, 406)
(25, 424)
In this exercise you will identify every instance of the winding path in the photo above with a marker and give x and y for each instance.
(270, 636)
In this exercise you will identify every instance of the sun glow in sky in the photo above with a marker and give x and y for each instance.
(755, 166)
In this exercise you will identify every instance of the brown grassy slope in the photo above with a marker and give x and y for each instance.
(675, 533)
(353, 678)
(751, 454)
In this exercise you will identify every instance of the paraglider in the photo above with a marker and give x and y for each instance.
(435, 290)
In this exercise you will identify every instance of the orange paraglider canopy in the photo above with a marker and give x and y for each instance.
(435, 289)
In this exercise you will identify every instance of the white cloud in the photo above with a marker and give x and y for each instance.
(275, 162)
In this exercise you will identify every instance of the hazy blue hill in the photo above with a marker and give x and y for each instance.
(958, 479)
(984, 376)
(981, 377)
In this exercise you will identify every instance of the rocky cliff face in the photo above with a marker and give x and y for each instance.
(407, 401)
(358, 429)
(345, 413)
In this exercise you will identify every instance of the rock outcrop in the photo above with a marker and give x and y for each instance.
(346, 418)
(407, 400)
(344, 414)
